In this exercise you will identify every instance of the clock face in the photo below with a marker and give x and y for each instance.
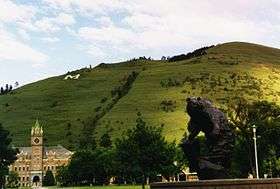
(36, 140)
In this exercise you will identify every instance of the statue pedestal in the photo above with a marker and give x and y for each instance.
(220, 184)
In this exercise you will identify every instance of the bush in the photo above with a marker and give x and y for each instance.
(170, 82)
(48, 179)
(103, 100)
(168, 105)
(13, 180)
(125, 86)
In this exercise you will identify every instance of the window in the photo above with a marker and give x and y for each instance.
(27, 178)
(52, 168)
(15, 168)
(23, 168)
(48, 167)
(19, 169)
(23, 178)
(27, 168)
(44, 167)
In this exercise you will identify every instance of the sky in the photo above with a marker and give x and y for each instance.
(44, 38)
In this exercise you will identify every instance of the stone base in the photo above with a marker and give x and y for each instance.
(221, 184)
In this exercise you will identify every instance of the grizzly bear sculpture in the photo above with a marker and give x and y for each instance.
(219, 140)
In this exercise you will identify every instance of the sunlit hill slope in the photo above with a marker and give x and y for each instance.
(114, 93)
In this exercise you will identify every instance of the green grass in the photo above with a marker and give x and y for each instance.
(97, 187)
(228, 71)
(103, 187)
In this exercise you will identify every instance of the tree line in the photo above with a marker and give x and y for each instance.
(266, 117)
(138, 156)
(196, 53)
(7, 88)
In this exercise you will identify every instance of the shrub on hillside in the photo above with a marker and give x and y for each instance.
(168, 105)
(170, 82)
(126, 84)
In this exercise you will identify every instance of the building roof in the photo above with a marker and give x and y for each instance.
(58, 151)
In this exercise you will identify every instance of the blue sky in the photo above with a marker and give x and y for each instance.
(44, 38)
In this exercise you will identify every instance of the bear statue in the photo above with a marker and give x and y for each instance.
(215, 164)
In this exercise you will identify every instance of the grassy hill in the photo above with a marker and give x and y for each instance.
(157, 89)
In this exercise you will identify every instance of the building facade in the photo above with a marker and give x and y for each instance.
(33, 162)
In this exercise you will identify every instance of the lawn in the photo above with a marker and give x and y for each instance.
(107, 187)
(102, 187)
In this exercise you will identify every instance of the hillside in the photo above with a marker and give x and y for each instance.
(157, 89)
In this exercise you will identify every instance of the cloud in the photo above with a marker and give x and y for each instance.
(38, 65)
(111, 35)
(50, 39)
(23, 34)
(46, 25)
(64, 19)
(13, 50)
(54, 24)
(164, 26)
(11, 12)
(104, 21)
(96, 52)
(86, 7)
(59, 4)
(34, 18)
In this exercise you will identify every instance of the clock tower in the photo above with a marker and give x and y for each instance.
(37, 154)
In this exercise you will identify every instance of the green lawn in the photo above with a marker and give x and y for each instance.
(101, 187)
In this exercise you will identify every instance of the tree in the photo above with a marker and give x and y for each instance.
(49, 179)
(143, 152)
(7, 88)
(104, 166)
(63, 176)
(81, 167)
(7, 154)
(69, 137)
(13, 180)
(86, 139)
(89, 167)
(105, 141)
(265, 116)
(16, 84)
(163, 58)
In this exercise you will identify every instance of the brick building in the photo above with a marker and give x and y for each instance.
(34, 161)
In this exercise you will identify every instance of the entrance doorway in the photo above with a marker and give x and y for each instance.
(36, 180)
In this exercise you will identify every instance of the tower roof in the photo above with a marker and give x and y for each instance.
(37, 129)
